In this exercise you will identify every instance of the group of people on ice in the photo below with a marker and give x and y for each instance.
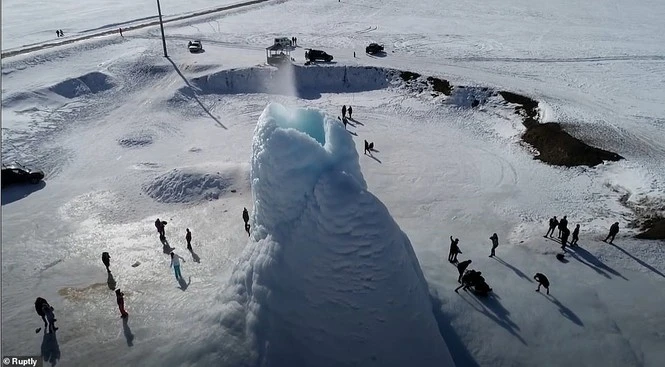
(369, 146)
(45, 310)
(472, 279)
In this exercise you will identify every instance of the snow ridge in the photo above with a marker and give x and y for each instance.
(330, 279)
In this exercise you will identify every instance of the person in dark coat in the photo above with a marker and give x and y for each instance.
(542, 280)
(454, 250)
(245, 217)
(553, 223)
(159, 224)
(461, 267)
(344, 111)
(564, 238)
(120, 298)
(106, 259)
(40, 303)
(366, 147)
(563, 224)
(495, 243)
(351, 108)
(576, 234)
(614, 229)
(188, 238)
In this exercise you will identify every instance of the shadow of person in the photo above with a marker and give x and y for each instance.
(128, 332)
(514, 269)
(356, 121)
(374, 158)
(565, 311)
(639, 261)
(110, 281)
(494, 310)
(50, 348)
(183, 285)
(195, 256)
(166, 247)
(594, 262)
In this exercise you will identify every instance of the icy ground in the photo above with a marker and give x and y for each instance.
(126, 136)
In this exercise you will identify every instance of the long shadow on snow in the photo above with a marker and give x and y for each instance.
(192, 94)
(514, 269)
(50, 348)
(494, 310)
(563, 310)
(13, 193)
(588, 259)
(128, 332)
(458, 350)
(639, 261)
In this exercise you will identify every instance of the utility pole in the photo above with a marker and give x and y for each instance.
(161, 25)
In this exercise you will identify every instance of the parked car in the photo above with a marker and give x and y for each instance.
(195, 46)
(283, 41)
(17, 174)
(316, 55)
(374, 48)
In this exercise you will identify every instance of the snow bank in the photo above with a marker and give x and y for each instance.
(90, 83)
(193, 184)
(329, 278)
(303, 81)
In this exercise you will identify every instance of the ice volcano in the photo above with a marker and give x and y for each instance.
(330, 279)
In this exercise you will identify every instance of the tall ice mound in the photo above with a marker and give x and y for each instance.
(330, 279)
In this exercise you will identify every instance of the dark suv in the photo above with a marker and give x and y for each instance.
(315, 55)
(374, 48)
(16, 173)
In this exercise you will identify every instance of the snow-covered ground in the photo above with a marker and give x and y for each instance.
(126, 135)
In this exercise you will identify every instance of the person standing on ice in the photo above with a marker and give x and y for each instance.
(120, 298)
(245, 218)
(576, 234)
(106, 259)
(351, 108)
(344, 111)
(188, 238)
(175, 264)
(564, 238)
(542, 280)
(461, 267)
(614, 229)
(48, 312)
(495, 243)
(159, 224)
(563, 224)
(553, 223)
(454, 250)
(40, 303)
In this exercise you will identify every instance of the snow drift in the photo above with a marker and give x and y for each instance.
(193, 184)
(329, 278)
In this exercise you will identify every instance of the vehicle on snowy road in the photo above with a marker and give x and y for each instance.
(374, 48)
(195, 46)
(316, 55)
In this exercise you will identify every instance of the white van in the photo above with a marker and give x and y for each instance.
(283, 41)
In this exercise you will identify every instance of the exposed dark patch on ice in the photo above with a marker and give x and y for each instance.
(190, 185)
(136, 140)
(90, 83)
